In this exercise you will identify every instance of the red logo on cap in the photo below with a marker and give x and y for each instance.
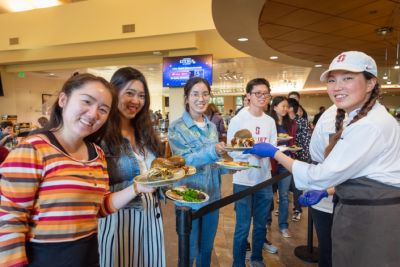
(341, 58)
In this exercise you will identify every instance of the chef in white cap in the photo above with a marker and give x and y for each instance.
(362, 162)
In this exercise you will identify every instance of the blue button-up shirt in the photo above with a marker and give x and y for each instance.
(197, 147)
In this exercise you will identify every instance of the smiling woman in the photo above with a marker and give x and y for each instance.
(54, 184)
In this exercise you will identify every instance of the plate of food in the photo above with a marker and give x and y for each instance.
(160, 176)
(173, 163)
(236, 165)
(241, 141)
(184, 194)
(284, 137)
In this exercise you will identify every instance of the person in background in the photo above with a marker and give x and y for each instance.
(257, 205)
(7, 134)
(54, 184)
(303, 141)
(322, 212)
(195, 138)
(301, 111)
(3, 154)
(245, 101)
(42, 121)
(131, 144)
(318, 115)
(362, 162)
(214, 116)
(284, 125)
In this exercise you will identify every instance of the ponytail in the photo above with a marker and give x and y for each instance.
(340, 114)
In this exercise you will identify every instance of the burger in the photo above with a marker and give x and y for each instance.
(242, 138)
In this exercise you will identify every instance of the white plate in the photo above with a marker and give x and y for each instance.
(230, 148)
(285, 138)
(235, 167)
(192, 170)
(286, 148)
(168, 194)
(142, 179)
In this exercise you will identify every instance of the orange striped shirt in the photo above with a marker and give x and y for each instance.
(47, 196)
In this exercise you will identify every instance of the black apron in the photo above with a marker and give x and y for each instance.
(366, 224)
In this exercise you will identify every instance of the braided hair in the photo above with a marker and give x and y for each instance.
(340, 114)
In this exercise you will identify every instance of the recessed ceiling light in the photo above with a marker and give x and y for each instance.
(273, 57)
(150, 69)
(157, 53)
(318, 65)
(242, 39)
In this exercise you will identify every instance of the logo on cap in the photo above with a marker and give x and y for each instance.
(341, 58)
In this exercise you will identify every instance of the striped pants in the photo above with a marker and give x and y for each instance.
(132, 237)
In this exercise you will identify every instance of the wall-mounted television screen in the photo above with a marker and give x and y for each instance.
(177, 70)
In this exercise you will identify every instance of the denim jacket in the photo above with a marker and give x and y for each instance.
(122, 169)
(197, 147)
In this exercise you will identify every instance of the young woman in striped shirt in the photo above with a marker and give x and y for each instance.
(54, 185)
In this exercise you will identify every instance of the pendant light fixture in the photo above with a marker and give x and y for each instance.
(397, 66)
(385, 76)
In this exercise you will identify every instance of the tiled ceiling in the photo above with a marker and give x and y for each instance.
(318, 30)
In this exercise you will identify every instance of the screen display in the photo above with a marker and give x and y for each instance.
(177, 70)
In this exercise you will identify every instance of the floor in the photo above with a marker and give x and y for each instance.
(222, 255)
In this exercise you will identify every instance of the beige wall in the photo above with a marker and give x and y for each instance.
(23, 96)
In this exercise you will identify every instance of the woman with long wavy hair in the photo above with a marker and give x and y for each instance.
(134, 236)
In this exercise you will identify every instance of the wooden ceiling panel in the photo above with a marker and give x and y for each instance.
(269, 31)
(327, 7)
(275, 11)
(330, 24)
(324, 40)
(297, 36)
(300, 18)
(376, 10)
(278, 44)
(357, 29)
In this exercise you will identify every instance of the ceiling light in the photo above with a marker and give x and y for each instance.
(273, 57)
(242, 39)
(383, 31)
(385, 77)
(397, 66)
(24, 5)
(318, 65)
(157, 53)
(388, 82)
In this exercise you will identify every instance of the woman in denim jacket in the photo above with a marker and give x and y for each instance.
(195, 138)
(133, 236)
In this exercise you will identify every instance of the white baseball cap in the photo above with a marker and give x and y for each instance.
(353, 61)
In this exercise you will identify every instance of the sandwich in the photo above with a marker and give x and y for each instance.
(242, 138)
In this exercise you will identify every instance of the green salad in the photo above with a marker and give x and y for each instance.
(190, 195)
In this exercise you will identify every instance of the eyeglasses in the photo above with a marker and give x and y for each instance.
(196, 95)
(261, 94)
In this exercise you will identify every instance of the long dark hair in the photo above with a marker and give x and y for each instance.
(340, 114)
(145, 134)
(76, 82)
(189, 85)
(286, 121)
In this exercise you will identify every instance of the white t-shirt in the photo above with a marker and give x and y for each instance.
(263, 129)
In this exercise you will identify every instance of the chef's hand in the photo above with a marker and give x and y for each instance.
(312, 197)
(262, 150)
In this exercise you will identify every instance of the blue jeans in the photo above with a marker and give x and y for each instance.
(202, 239)
(255, 205)
(283, 190)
